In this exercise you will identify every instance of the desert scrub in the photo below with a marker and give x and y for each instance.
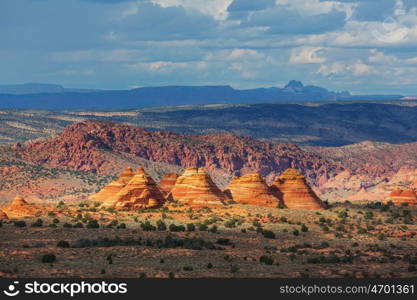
(202, 227)
(48, 258)
(63, 244)
(190, 227)
(231, 223)
(93, 224)
(267, 260)
(147, 226)
(161, 225)
(223, 241)
(20, 223)
(268, 234)
(37, 223)
(176, 228)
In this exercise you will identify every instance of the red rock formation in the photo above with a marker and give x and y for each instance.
(296, 193)
(140, 192)
(252, 189)
(100, 146)
(167, 182)
(107, 194)
(20, 208)
(196, 188)
(132, 190)
(3, 216)
(399, 196)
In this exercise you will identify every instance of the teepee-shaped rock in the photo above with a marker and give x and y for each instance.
(252, 189)
(20, 208)
(107, 194)
(140, 192)
(167, 182)
(196, 188)
(399, 196)
(296, 193)
(3, 216)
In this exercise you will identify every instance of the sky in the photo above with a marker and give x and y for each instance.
(364, 46)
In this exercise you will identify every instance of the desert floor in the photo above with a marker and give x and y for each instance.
(344, 241)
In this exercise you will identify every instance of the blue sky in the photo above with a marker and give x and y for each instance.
(364, 46)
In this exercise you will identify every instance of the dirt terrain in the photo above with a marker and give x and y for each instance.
(234, 241)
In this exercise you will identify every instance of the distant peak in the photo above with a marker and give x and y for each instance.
(294, 84)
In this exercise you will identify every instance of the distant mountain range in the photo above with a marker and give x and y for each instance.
(56, 97)
(38, 88)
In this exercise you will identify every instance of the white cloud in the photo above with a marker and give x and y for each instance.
(307, 55)
(116, 55)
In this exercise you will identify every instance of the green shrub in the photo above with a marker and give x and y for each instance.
(304, 228)
(161, 225)
(147, 226)
(121, 226)
(369, 215)
(67, 225)
(223, 241)
(176, 228)
(256, 223)
(79, 225)
(202, 227)
(268, 234)
(209, 265)
(296, 232)
(93, 224)
(48, 258)
(37, 223)
(231, 223)
(213, 229)
(267, 260)
(20, 223)
(361, 230)
(190, 227)
(55, 221)
(63, 244)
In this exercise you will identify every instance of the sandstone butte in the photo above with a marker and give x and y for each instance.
(3, 216)
(296, 193)
(20, 208)
(252, 189)
(196, 188)
(140, 192)
(107, 194)
(132, 190)
(167, 182)
(399, 196)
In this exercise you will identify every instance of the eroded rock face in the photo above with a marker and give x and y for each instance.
(399, 196)
(20, 208)
(132, 190)
(296, 193)
(140, 192)
(102, 146)
(168, 182)
(107, 194)
(252, 189)
(196, 188)
(3, 216)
